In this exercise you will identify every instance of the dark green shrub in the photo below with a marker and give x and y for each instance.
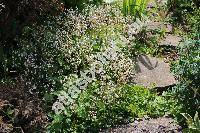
(187, 92)
(14, 16)
(187, 67)
(41, 58)
(194, 21)
(185, 12)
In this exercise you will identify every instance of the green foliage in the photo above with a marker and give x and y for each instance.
(14, 16)
(182, 6)
(80, 3)
(41, 59)
(47, 53)
(187, 67)
(64, 44)
(194, 21)
(101, 107)
(185, 12)
(134, 7)
(187, 71)
(141, 102)
(193, 124)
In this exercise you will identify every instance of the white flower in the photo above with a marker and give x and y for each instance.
(58, 107)
(108, 1)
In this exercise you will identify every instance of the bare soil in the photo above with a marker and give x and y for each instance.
(20, 111)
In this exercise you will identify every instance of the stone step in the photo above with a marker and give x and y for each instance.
(171, 40)
(153, 71)
(152, 25)
(155, 25)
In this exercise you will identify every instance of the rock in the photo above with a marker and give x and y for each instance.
(154, 25)
(169, 28)
(171, 40)
(159, 125)
(153, 71)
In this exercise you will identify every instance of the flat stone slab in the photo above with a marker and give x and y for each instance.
(153, 71)
(159, 125)
(151, 26)
(172, 40)
(154, 25)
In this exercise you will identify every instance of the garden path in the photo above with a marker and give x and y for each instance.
(158, 125)
(153, 71)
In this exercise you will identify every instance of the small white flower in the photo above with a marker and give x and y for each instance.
(58, 107)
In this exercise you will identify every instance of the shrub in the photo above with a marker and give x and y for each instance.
(193, 20)
(187, 67)
(187, 71)
(185, 12)
(14, 16)
(65, 45)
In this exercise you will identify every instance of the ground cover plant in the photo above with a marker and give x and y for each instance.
(102, 107)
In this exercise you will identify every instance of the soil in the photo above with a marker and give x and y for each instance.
(20, 111)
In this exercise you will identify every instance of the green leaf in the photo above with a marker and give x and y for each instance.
(188, 118)
(197, 121)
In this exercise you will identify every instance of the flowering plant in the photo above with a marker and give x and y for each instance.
(69, 53)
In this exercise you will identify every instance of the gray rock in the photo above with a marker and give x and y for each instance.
(168, 28)
(154, 25)
(159, 125)
(153, 71)
(172, 40)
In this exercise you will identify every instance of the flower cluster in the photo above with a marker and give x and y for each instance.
(105, 28)
(1, 6)
(74, 88)
(70, 51)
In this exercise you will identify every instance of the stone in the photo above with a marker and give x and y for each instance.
(153, 71)
(168, 28)
(158, 125)
(154, 25)
(172, 40)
